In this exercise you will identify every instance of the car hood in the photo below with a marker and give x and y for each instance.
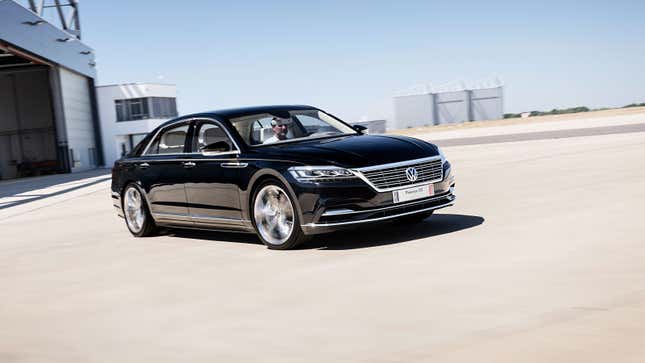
(351, 151)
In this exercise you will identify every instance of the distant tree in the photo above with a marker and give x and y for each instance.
(634, 105)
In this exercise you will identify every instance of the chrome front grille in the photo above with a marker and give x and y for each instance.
(387, 177)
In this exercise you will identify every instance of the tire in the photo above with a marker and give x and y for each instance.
(136, 212)
(414, 218)
(275, 216)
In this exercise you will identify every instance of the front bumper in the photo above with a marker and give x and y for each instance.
(381, 214)
(327, 207)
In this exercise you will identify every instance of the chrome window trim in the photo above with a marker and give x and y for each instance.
(212, 153)
(315, 225)
(188, 121)
(183, 158)
(359, 173)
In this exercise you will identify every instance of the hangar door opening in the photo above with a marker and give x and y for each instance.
(27, 129)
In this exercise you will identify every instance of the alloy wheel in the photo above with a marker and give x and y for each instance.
(273, 214)
(133, 209)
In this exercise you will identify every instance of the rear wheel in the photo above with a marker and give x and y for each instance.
(275, 217)
(137, 215)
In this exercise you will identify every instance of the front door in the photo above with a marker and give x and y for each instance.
(213, 190)
(163, 172)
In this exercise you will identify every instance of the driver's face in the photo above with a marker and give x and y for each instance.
(280, 131)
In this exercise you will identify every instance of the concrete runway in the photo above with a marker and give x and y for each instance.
(541, 260)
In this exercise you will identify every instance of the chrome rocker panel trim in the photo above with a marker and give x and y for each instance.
(196, 218)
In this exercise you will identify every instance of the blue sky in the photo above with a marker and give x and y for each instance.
(351, 57)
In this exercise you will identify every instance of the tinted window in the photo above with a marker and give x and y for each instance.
(163, 107)
(208, 134)
(132, 109)
(144, 108)
(170, 141)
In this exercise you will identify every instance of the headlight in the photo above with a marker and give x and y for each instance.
(320, 173)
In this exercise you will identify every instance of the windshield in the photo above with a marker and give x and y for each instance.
(272, 128)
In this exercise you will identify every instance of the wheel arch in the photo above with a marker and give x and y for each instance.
(142, 190)
(256, 180)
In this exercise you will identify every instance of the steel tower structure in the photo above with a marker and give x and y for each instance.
(67, 12)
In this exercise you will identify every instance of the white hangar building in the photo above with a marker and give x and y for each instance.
(448, 105)
(130, 111)
(48, 110)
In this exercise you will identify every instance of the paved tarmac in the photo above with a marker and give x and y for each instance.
(540, 135)
(541, 260)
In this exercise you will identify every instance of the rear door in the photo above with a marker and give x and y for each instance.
(163, 170)
(213, 189)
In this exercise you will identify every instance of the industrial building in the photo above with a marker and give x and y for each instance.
(129, 111)
(448, 105)
(48, 112)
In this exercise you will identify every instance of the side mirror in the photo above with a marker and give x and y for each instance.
(217, 147)
(360, 129)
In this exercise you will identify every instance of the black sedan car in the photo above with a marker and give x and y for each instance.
(283, 172)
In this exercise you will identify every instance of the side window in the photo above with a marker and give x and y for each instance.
(207, 134)
(170, 141)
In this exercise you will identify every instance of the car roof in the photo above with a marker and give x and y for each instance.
(251, 110)
(229, 113)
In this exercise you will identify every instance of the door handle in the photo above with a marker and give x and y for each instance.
(234, 165)
(143, 165)
(189, 164)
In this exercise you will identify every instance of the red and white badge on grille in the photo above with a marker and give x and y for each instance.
(404, 195)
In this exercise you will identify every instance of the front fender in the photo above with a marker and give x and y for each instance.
(260, 173)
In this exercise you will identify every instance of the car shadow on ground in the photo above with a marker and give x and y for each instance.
(212, 235)
(388, 233)
(374, 235)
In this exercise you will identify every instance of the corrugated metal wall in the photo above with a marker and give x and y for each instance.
(448, 107)
(77, 107)
(487, 104)
(452, 107)
(413, 111)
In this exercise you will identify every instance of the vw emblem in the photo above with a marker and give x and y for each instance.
(411, 174)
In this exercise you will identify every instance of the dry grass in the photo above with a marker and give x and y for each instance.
(521, 121)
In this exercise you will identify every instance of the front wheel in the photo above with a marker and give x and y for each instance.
(275, 217)
(137, 215)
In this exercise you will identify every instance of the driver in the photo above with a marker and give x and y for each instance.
(280, 127)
